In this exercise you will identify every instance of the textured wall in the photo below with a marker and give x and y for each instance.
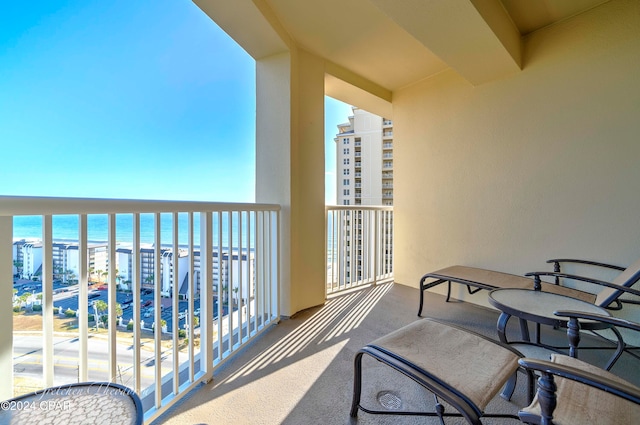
(543, 163)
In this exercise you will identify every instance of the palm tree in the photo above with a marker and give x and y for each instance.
(18, 265)
(23, 298)
(119, 278)
(149, 279)
(100, 307)
(225, 300)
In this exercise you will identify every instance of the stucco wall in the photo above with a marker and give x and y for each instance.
(542, 164)
(288, 172)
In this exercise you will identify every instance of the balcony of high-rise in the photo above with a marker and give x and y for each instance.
(500, 163)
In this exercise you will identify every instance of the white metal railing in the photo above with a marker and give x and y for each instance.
(230, 254)
(359, 246)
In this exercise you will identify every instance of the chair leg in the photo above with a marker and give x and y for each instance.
(421, 300)
(509, 387)
(357, 385)
(439, 408)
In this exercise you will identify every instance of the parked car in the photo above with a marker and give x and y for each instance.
(93, 295)
(147, 303)
(103, 287)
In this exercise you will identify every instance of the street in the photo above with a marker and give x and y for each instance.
(28, 359)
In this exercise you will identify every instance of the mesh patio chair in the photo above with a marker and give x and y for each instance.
(571, 391)
(479, 279)
(462, 368)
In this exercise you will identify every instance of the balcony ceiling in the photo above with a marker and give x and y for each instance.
(395, 43)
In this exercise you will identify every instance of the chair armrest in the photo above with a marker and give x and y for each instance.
(626, 391)
(591, 263)
(615, 321)
(536, 276)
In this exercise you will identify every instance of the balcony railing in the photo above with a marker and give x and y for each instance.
(227, 276)
(359, 246)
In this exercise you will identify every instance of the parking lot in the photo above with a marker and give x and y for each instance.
(66, 297)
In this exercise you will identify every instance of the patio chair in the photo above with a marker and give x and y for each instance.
(460, 367)
(83, 402)
(573, 392)
(479, 279)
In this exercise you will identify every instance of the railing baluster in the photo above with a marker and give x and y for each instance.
(267, 271)
(220, 315)
(191, 294)
(47, 300)
(376, 248)
(260, 272)
(6, 307)
(83, 304)
(230, 275)
(274, 261)
(157, 310)
(250, 272)
(175, 306)
(136, 290)
(206, 294)
(111, 298)
(240, 276)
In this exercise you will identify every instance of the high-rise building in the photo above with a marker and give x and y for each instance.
(364, 160)
(364, 168)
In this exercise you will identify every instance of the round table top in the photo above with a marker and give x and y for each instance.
(540, 306)
(94, 403)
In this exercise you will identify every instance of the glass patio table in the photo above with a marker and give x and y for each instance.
(539, 307)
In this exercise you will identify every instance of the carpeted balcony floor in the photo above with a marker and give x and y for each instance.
(301, 371)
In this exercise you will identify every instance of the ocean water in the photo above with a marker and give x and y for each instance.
(65, 227)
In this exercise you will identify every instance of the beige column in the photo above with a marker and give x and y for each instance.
(290, 169)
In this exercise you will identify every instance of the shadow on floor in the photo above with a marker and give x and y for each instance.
(301, 371)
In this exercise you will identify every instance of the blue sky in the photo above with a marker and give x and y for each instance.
(129, 99)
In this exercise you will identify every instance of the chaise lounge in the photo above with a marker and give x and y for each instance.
(460, 367)
(479, 279)
(466, 370)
